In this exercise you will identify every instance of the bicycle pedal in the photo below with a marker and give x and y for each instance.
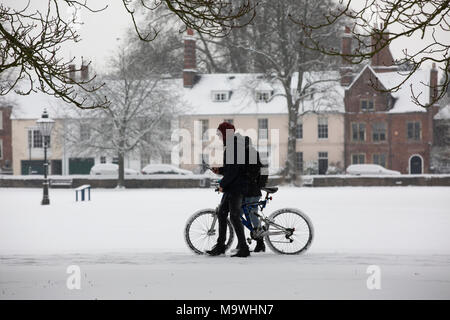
(249, 240)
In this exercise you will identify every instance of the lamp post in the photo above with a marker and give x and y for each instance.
(45, 125)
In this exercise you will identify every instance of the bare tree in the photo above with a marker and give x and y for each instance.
(271, 44)
(142, 104)
(30, 41)
(378, 23)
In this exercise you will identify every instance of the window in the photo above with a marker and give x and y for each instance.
(379, 159)
(115, 160)
(367, 105)
(85, 132)
(322, 128)
(1, 120)
(35, 139)
(205, 127)
(358, 158)
(103, 159)
(263, 125)
(228, 120)
(414, 130)
(299, 131)
(379, 131)
(1, 149)
(220, 96)
(358, 131)
(299, 161)
(263, 96)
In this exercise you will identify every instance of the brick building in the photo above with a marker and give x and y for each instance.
(388, 128)
(5, 140)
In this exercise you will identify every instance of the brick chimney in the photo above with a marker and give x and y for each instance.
(190, 64)
(382, 61)
(346, 49)
(72, 72)
(433, 83)
(84, 72)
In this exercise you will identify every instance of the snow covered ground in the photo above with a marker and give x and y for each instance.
(129, 244)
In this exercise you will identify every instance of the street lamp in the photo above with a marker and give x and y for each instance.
(45, 125)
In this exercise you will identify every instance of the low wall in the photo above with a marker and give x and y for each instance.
(374, 181)
(8, 181)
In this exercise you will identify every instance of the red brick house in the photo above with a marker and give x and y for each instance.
(388, 128)
(5, 140)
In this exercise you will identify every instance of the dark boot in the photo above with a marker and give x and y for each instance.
(260, 246)
(242, 252)
(217, 250)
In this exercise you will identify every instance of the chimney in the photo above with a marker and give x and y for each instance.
(346, 49)
(382, 60)
(72, 72)
(190, 64)
(433, 83)
(85, 72)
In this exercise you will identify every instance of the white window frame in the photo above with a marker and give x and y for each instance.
(1, 149)
(319, 124)
(220, 96)
(263, 95)
(266, 136)
(358, 154)
(1, 120)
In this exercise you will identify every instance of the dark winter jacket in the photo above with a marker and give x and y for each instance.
(235, 178)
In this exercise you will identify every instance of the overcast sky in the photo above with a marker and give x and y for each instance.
(102, 32)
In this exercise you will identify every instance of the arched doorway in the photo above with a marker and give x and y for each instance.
(415, 164)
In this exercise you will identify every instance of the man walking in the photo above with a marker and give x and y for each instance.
(234, 186)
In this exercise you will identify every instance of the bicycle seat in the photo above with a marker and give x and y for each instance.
(270, 189)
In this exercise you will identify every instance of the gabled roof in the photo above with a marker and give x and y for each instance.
(417, 83)
(198, 99)
(243, 87)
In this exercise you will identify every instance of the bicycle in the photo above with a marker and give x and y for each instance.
(286, 231)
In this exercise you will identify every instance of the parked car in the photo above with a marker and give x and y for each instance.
(110, 169)
(369, 169)
(164, 169)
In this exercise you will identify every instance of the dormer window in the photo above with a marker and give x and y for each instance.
(263, 95)
(220, 96)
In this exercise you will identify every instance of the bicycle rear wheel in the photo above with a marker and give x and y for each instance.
(291, 232)
(199, 233)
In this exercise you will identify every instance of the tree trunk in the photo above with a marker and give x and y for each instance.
(121, 180)
(291, 170)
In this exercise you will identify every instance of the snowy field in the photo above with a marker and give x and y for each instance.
(129, 244)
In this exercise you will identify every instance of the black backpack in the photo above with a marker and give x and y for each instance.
(257, 173)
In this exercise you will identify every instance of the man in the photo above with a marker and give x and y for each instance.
(233, 185)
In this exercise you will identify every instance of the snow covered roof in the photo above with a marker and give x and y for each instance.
(32, 105)
(243, 88)
(198, 100)
(418, 84)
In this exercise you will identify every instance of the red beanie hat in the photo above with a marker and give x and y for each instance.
(223, 127)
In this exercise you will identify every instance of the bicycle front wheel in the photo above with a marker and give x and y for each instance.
(290, 231)
(202, 230)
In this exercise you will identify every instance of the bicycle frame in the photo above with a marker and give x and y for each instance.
(245, 218)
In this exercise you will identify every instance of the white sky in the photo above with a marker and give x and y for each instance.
(102, 32)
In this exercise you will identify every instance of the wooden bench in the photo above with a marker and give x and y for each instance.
(82, 190)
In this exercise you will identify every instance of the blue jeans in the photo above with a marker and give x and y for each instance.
(253, 217)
